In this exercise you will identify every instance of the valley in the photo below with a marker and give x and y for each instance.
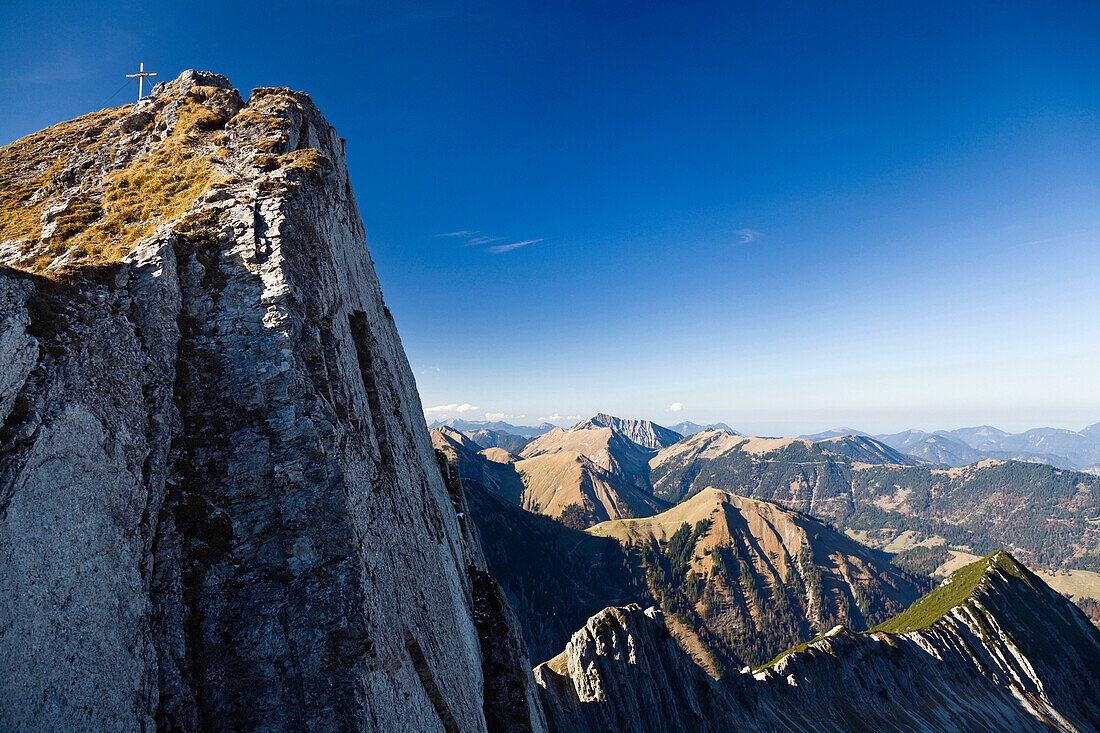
(753, 545)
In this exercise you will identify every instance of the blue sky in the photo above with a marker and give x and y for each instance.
(785, 216)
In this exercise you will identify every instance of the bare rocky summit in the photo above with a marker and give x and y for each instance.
(644, 433)
(219, 504)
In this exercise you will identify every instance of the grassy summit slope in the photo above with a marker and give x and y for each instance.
(955, 591)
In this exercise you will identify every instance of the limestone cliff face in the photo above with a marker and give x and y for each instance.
(995, 649)
(219, 505)
(624, 671)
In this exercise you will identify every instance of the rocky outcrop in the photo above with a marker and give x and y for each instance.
(993, 649)
(219, 505)
(624, 671)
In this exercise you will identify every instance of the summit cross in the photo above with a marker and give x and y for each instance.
(142, 73)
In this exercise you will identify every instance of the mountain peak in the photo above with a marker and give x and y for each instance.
(167, 162)
(644, 433)
(238, 434)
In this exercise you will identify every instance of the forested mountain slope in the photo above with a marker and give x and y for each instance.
(1046, 515)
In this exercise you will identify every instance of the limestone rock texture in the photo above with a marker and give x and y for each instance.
(1003, 652)
(624, 671)
(220, 508)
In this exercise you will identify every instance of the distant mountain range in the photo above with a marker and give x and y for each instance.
(580, 476)
(1048, 515)
(749, 578)
(862, 483)
(1075, 451)
(719, 531)
(687, 428)
(1068, 449)
(781, 576)
(526, 431)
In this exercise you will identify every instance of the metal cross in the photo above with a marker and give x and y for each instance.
(141, 78)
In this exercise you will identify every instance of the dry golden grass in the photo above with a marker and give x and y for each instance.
(28, 166)
(108, 216)
(153, 190)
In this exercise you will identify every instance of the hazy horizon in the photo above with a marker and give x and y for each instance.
(783, 426)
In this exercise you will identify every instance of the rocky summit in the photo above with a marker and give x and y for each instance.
(219, 504)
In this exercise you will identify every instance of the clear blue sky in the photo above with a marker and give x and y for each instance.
(781, 215)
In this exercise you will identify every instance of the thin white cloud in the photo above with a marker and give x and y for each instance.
(502, 248)
(495, 416)
(572, 417)
(475, 238)
(454, 407)
(748, 235)
(676, 407)
(478, 241)
(552, 418)
(1048, 240)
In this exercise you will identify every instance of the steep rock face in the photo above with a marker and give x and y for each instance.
(994, 649)
(624, 671)
(220, 506)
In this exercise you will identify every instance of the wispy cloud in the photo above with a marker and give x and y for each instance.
(676, 407)
(748, 235)
(502, 248)
(454, 407)
(475, 238)
(1048, 240)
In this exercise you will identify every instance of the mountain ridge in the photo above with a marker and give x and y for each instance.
(1034, 663)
